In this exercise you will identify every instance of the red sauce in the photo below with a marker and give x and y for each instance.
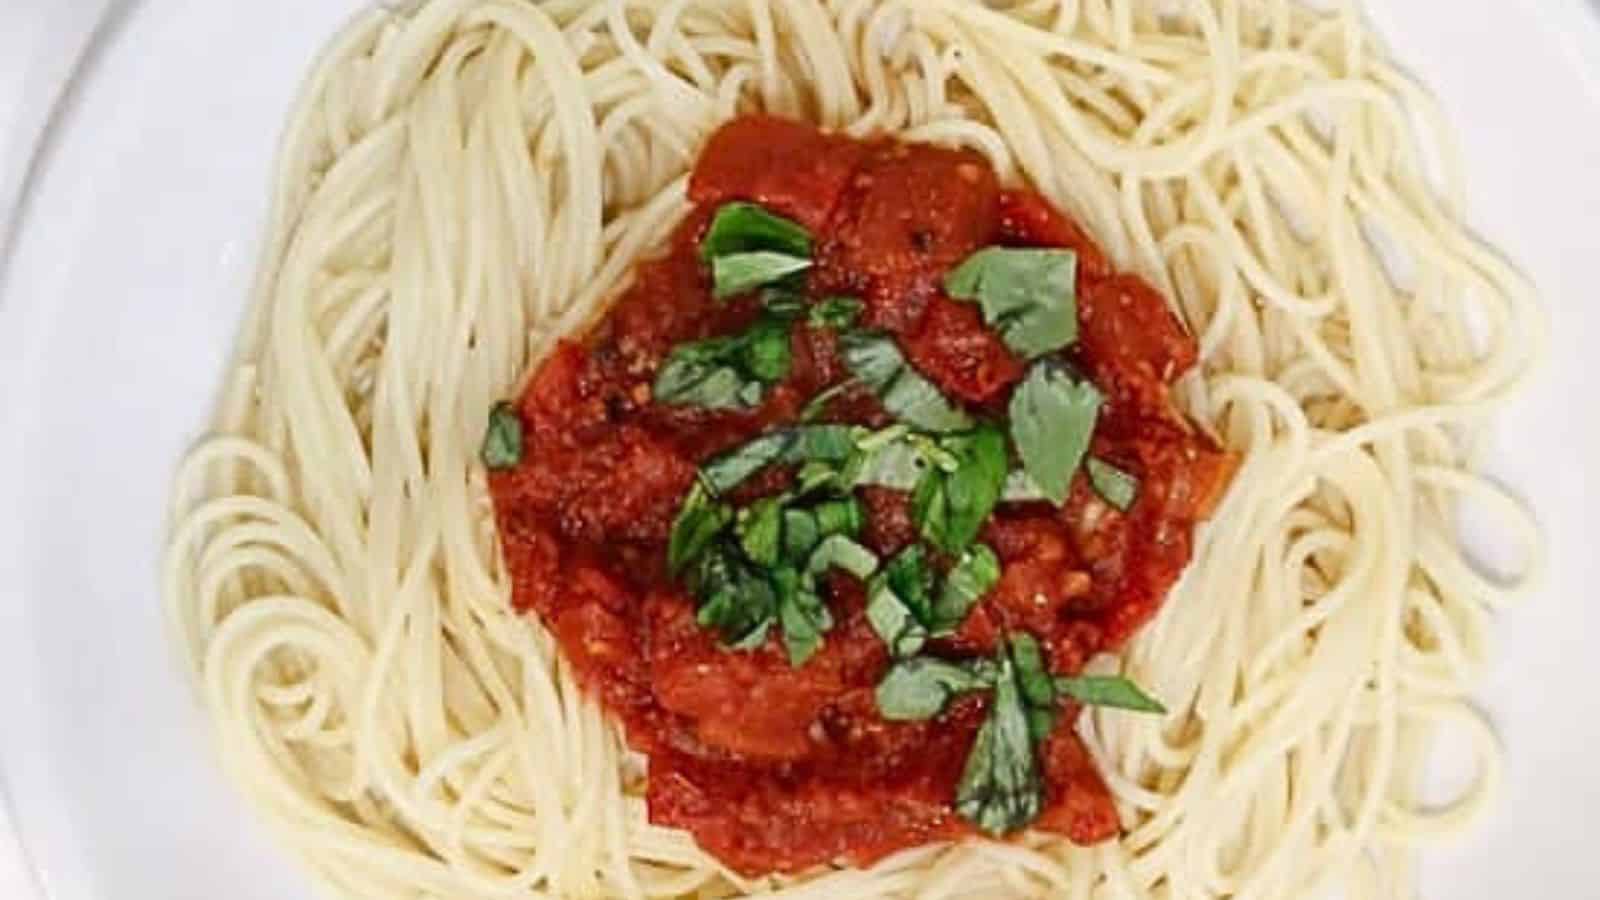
(774, 768)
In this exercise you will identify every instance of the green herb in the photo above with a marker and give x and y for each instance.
(819, 404)
(840, 552)
(877, 362)
(1001, 789)
(735, 598)
(746, 227)
(837, 313)
(730, 372)
(1114, 692)
(806, 443)
(740, 273)
(502, 441)
(1052, 421)
(918, 689)
(974, 574)
(1028, 296)
(801, 612)
(785, 304)
(1115, 486)
(1034, 682)
(760, 531)
(950, 507)
(900, 600)
(699, 522)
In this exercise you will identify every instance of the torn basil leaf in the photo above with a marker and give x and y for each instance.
(746, 227)
(1114, 486)
(974, 574)
(918, 689)
(840, 552)
(900, 600)
(950, 507)
(760, 531)
(837, 313)
(1028, 296)
(876, 361)
(741, 273)
(802, 614)
(502, 441)
(1001, 789)
(726, 373)
(736, 598)
(1111, 691)
(1034, 682)
(805, 443)
(1053, 417)
(699, 521)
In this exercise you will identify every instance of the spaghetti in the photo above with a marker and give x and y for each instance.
(466, 182)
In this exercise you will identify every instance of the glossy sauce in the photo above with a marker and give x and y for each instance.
(774, 768)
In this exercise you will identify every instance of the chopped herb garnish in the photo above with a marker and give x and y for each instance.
(877, 362)
(805, 443)
(900, 601)
(1114, 486)
(840, 552)
(1028, 296)
(699, 522)
(1110, 691)
(502, 440)
(736, 598)
(1001, 788)
(746, 227)
(760, 531)
(801, 612)
(1053, 417)
(920, 688)
(740, 273)
(731, 372)
(1037, 689)
(837, 313)
(950, 507)
(974, 574)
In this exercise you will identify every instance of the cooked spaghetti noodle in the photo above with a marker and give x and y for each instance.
(469, 180)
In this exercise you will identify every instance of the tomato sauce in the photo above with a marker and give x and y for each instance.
(775, 768)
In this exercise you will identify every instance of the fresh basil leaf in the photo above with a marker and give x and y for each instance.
(727, 471)
(744, 227)
(974, 574)
(898, 466)
(840, 552)
(729, 372)
(951, 507)
(818, 406)
(699, 522)
(876, 361)
(805, 443)
(784, 304)
(1052, 422)
(1001, 789)
(840, 517)
(893, 621)
(801, 534)
(765, 353)
(1028, 296)
(1114, 692)
(1019, 488)
(900, 601)
(760, 531)
(1114, 486)
(741, 273)
(735, 598)
(802, 613)
(1034, 681)
(502, 441)
(837, 313)
(918, 689)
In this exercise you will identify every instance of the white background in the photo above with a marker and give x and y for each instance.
(121, 302)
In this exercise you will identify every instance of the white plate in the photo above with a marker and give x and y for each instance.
(118, 313)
